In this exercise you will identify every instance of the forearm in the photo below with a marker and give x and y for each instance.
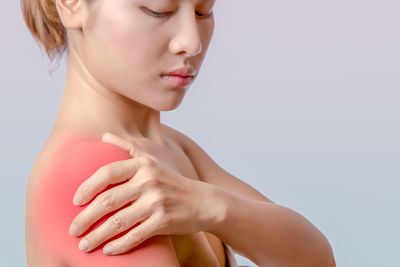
(269, 234)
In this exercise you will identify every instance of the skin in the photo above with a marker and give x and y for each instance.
(50, 211)
(127, 98)
(122, 92)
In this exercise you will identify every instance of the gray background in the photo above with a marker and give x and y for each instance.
(298, 98)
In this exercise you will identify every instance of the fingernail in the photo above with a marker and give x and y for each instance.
(74, 230)
(108, 249)
(84, 244)
(105, 135)
(78, 199)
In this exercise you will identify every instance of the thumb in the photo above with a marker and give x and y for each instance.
(131, 147)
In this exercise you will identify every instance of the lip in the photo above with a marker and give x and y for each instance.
(183, 72)
(178, 80)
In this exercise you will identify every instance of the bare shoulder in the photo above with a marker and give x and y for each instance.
(50, 211)
(209, 171)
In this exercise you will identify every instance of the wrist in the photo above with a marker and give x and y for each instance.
(215, 208)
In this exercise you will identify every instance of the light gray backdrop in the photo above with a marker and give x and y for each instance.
(299, 98)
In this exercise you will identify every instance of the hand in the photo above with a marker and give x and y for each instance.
(162, 201)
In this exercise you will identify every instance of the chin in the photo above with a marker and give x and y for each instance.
(168, 105)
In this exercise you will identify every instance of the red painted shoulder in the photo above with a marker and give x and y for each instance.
(74, 161)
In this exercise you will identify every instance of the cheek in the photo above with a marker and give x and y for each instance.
(129, 37)
(207, 33)
(129, 50)
(120, 42)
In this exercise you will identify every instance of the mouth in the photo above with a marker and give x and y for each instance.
(178, 80)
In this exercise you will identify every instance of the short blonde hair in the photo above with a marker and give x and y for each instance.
(44, 23)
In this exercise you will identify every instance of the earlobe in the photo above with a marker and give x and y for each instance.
(70, 12)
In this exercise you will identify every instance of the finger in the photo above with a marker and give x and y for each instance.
(131, 147)
(118, 223)
(103, 204)
(134, 237)
(113, 173)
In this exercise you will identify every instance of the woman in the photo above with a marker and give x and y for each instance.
(145, 195)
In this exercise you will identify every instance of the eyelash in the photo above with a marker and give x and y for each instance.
(162, 15)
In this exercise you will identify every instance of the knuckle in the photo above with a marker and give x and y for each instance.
(132, 148)
(118, 223)
(149, 180)
(139, 182)
(166, 221)
(148, 162)
(160, 200)
(142, 180)
(106, 201)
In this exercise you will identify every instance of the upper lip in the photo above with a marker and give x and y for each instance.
(185, 71)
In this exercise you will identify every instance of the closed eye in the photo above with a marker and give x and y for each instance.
(165, 14)
(205, 15)
(157, 14)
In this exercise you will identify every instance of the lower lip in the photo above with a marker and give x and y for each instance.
(177, 80)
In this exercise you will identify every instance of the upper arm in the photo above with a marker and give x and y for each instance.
(209, 171)
(53, 213)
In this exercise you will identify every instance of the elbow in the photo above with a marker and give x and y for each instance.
(319, 250)
(329, 258)
(318, 254)
(323, 255)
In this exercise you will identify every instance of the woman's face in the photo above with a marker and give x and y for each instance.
(126, 47)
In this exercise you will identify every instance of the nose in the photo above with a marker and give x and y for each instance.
(186, 38)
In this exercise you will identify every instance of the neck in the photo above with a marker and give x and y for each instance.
(88, 106)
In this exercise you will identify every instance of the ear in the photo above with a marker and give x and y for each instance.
(71, 13)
